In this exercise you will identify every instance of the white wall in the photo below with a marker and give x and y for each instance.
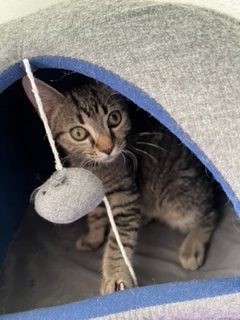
(11, 9)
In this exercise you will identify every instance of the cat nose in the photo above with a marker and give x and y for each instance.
(108, 150)
(104, 144)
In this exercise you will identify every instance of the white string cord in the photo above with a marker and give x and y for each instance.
(118, 239)
(59, 166)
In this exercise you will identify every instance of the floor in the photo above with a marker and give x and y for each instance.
(43, 268)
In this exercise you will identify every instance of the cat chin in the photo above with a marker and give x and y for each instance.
(108, 159)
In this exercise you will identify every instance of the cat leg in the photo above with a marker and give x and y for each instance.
(193, 249)
(96, 222)
(146, 220)
(115, 274)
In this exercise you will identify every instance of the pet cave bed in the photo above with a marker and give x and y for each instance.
(179, 63)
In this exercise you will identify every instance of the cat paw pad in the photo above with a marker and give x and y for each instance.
(113, 284)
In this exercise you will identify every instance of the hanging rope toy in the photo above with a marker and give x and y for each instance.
(70, 193)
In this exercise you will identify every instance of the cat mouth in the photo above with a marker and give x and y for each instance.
(107, 158)
(111, 158)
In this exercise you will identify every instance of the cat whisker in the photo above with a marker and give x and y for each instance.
(124, 158)
(70, 157)
(146, 133)
(145, 153)
(95, 164)
(88, 162)
(133, 158)
(67, 157)
(152, 145)
(65, 74)
(84, 163)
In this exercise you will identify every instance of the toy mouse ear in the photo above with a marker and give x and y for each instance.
(50, 97)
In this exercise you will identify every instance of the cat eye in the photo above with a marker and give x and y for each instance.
(114, 119)
(79, 133)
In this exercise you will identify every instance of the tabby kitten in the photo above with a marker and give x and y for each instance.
(146, 175)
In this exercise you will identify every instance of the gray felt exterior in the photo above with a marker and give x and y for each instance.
(185, 58)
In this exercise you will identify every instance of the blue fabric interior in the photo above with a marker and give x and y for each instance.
(15, 176)
(20, 158)
(17, 181)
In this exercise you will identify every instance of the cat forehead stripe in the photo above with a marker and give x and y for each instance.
(80, 118)
(76, 102)
(84, 111)
(95, 104)
(74, 99)
(105, 109)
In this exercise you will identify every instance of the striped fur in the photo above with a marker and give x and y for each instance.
(146, 175)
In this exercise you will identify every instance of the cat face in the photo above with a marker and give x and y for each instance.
(91, 123)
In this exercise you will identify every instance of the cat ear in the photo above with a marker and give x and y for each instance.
(51, 98)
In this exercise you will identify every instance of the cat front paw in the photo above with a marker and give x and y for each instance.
(118, 282)
(87, 242)
(192, 254)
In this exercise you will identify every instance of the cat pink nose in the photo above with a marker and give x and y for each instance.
(108, 150)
